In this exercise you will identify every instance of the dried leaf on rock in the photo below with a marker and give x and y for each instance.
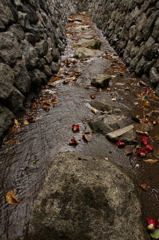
(151, 160)
(16, 122)
(142, 83)
(46, 108)
(93, 110)
(34, 105)
(12, 141)
(147, 104)
(89, 86)
(87, 136)
(11, 198)
(143, 186)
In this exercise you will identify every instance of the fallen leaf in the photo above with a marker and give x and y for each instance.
(73, 142)
(142, 83)
(142, 133)
(142, 152)
(89, 86)
(87, 136)
(151, 160)
(35, 161)
(51, 84)
(93, 110)
(129, 149)
(46, 108)
(16, 122)
(26, 122)
(117, 118)
(34, 105)
(11, 198)
(143, 186)
(147, 104)
(15, 128)
(155, 234)
(12, 141)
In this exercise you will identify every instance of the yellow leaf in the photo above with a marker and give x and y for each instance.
(26, 122)
(93, 110)
(11, 198)
(151, 160)
(16, 122)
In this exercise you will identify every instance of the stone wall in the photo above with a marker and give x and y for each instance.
(32, 38)
(133, 28)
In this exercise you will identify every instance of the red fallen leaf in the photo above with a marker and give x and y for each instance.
(152, 223)
(75, 128)
(149, 147)
(144, 140)
(120, 144)
(73, 142)
(92, 96)
(142, 152)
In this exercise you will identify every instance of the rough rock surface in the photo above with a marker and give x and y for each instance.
(83, 52)
(93, 44)
(101, 80)
(124, 134)
(104, 104)
(104, 124)
(86, 199)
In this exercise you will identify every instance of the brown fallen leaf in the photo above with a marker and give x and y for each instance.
(46, 108)
(34, 105)
(142, 133)
(89, 86)
(147, 104)
(151, 160)
(26, 122)
(16, 122)
(12, 141)
(142, 83)
(87, 136)
(11, 198)
(129, 149)
(144, 186)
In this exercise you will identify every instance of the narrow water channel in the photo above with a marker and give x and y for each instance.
(65, 101)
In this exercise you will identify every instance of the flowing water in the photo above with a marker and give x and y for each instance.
(25, 163)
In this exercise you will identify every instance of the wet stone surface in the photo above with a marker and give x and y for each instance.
(28, 152)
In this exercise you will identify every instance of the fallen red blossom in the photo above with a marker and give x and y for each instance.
(144, 140)
(75, 128)
(120, 144)
(149, 147)
(152, 223)
(73, 142)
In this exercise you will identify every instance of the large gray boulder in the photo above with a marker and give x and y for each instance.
(93, 44)
(86, 199)
(101, 80)
(83, 52)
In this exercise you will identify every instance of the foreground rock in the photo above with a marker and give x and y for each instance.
(86, 199)
(124, 134)
(104, 104)
(104, 124)
(101, 80)
(93, 44)
(83, 52)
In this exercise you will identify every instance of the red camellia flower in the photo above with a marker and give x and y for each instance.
(120, 144)
(145, 140)
(75, 128)
(149, 147)
(147, 90)
(92, 96)
(73, 142)
(152, 223)
(142, 152)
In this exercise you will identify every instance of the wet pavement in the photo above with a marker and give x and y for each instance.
(65, 101)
